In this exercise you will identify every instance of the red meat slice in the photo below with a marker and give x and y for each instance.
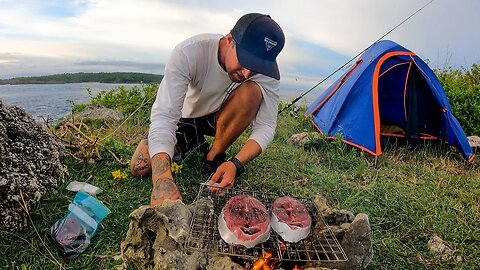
(290, 219)
(246, 219)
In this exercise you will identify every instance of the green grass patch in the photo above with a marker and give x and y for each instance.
(408, 194)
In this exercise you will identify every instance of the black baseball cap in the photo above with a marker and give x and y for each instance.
(259, 39)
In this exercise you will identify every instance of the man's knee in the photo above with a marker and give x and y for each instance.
(248, 95)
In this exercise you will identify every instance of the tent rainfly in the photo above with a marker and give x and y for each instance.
(389, 91)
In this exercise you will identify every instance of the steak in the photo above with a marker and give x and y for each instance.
(290, 219)
(244, 221)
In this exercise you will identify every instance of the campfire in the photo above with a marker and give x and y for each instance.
(320, 245)
(268, 263)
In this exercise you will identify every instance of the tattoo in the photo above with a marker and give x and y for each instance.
(164, 188)
(141, 159)
(141, 168)
(160, 167)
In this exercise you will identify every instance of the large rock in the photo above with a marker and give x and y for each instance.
(353, 233)
(30, 165)
(156, 236)
(99, 113)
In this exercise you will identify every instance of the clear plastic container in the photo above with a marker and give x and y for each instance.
(74, 231)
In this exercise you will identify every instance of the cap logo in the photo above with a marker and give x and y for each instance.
(269, 43)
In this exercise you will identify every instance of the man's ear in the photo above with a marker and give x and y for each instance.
(229, 38)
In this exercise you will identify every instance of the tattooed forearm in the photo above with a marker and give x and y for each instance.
(160, 166)
(164, 188)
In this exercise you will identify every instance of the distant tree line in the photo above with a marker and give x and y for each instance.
(101, 77)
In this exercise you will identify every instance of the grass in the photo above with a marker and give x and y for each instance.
(408, 194)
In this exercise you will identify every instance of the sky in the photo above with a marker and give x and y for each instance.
(41, 37)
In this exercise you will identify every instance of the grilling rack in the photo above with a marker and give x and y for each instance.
(321, 245)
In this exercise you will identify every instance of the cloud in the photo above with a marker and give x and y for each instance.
(321, 36)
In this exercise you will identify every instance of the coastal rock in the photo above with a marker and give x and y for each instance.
(30, 165)
(156, 236)
(474, 142)
(353, 233)
(306, 139)
(438, 248)
(99, 113)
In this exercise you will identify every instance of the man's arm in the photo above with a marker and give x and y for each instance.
(225, 175)
(163, 186)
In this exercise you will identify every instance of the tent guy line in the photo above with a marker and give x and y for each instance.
(353, 58)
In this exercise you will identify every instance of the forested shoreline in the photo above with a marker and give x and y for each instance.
(81, 77)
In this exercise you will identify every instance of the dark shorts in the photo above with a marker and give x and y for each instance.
(191, 133)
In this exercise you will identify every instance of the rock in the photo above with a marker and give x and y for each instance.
(353, 233)
(99, 113)
(30, 165)
(306, 139)
(222, 263)
(156, 237)
(439, 249)
(474, 142)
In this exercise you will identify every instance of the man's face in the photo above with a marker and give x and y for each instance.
(235, 71)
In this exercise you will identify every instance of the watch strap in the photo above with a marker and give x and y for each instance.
(238, 165)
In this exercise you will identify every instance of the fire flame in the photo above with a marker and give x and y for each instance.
(264, 263)
(296, 268)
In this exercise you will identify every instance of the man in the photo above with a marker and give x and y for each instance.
(217, 86)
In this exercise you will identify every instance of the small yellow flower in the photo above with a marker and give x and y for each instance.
(176, 168)
(118, 175)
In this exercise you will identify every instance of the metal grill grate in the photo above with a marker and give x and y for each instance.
(320, 245)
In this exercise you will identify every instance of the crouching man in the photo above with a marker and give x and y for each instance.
(216, 86)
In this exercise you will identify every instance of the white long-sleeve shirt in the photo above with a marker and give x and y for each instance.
(195, 85)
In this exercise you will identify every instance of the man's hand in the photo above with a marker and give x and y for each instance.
(163, 185)
(164, 188)
(224, 176)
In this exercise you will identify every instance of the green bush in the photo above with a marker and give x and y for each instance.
(463, 91)
(125, 100)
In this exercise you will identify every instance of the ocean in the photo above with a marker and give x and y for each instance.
(54, 101)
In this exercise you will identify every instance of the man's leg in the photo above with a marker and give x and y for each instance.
(140, 164)
(234, 116)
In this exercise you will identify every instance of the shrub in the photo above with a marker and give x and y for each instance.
(125, 100)
(463, 91)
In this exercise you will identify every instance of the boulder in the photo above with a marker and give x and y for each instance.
(353, 233)
(30, 165)
(99, 113)
(156, 237)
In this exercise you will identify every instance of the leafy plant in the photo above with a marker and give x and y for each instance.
(463, 91)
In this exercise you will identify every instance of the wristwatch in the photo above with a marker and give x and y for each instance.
(238, 165)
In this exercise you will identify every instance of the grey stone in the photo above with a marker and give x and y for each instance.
(30, 165)
(99, 113)
(353, 233)
(306, 140)
(222, 263)
(474, 142)
(440, 250)
(156, 237)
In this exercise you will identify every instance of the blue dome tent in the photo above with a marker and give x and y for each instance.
(388, 86)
